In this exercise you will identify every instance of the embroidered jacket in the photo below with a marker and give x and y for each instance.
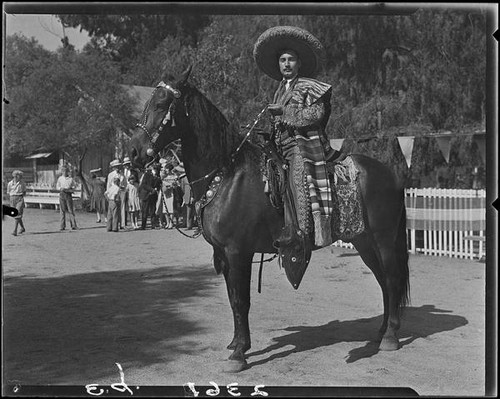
(306, 110)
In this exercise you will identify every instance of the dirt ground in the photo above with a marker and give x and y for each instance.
(78, 302)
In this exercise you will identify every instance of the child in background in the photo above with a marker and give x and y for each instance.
(134, 204)
(113, 196)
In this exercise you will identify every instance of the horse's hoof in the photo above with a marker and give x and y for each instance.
(389, 344)
(234, 366)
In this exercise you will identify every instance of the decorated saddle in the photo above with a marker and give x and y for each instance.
(346, 213)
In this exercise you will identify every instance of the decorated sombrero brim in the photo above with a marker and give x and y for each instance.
(309, 49)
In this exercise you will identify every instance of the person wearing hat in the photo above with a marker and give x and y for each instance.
(97, 198)
(116, 172)
(127, 172)
(16, 189)
(66, 186)
(157, 217)
(299, 114)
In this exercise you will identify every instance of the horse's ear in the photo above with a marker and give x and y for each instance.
(184, 76)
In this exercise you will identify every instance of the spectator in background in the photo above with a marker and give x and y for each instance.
(113, 196)
(16, 189)
(178, 198)
(115, 165)
(97, 199)
(157, 185)
(127, 172)
(134, 204)
(147, 196)
(169, 182)
(66, 186)
(187, 200)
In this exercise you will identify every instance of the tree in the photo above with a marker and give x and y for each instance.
(48, 107)
(129, 37)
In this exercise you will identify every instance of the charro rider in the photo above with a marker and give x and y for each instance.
(299, 114)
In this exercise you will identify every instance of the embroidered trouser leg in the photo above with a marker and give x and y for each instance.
(297, 185)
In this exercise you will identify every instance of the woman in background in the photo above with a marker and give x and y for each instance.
(97, 199)
(134, 203)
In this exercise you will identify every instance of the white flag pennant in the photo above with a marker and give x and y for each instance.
(444, 146)
(406, 144)
(336, 144)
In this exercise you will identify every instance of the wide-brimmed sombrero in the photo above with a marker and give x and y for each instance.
(268, 46)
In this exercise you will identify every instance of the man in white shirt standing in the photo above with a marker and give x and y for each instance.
(66, 186)
(117, 173)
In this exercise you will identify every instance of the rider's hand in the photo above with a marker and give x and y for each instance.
(275, 109)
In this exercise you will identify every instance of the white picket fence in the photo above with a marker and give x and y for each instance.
(444, 222)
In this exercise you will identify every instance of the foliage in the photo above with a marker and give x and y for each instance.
(57, 103)
(392, 75)
(129, 37)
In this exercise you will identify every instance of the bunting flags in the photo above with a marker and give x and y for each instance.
(406, 144)
(444, 146)
(336, 144)
(443, 140)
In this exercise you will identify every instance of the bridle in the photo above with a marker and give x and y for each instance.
(167, 118)
(170, 117)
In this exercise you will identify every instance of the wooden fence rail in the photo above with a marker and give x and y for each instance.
(444, 222)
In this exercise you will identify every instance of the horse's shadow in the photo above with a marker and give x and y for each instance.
(417, 323)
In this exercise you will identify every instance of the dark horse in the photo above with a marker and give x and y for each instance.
(240, 220)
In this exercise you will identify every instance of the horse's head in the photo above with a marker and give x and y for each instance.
(162, 121)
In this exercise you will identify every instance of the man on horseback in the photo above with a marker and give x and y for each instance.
(299, 114)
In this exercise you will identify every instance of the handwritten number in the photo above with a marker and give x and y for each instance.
(213, 392)
(92, 387)
(232, 389)
(257, 391)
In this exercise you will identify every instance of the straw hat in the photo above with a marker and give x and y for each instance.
(268, 46)
(126, 161)
(115, 162)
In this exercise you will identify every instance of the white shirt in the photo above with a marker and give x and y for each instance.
(65, 183)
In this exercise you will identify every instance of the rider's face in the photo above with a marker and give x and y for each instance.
(289, 64)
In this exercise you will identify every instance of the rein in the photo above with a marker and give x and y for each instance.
(154, 136)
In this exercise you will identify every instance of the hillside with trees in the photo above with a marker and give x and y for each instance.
(392, 75)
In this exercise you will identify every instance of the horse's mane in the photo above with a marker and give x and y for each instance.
(217, 138)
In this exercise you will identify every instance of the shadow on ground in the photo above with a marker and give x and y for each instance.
(417, 323)
(130, 317)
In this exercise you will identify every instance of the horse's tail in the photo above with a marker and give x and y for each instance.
(402, 259)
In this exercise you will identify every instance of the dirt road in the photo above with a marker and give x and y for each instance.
(76, 303)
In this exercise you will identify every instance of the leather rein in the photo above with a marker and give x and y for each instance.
(169, 118)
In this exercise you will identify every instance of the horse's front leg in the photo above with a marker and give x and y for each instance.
(237, 273)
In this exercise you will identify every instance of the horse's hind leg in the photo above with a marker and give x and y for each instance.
(237, 274)
(366, 248)
(389, 261)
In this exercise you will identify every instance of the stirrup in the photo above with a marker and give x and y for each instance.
(294, 253)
